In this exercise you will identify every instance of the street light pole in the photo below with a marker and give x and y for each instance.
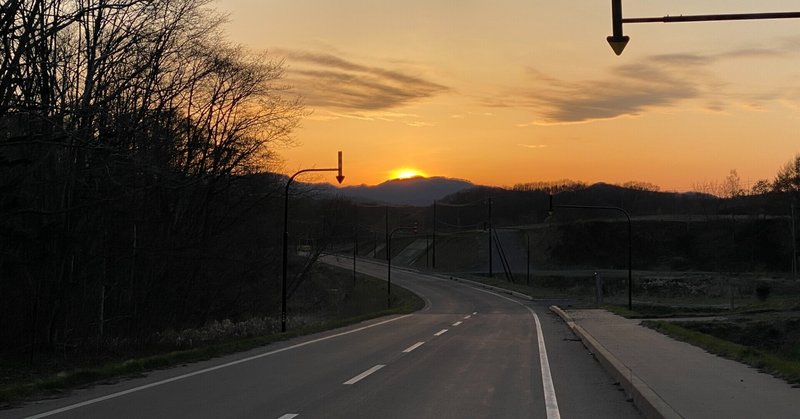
(339, 178)
(433, 256)
(491, 272)
(630, 240)
(528, 269)
(386, 226)
(389, 262)
(355, 243)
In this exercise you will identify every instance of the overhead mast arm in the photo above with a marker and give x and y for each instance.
(618, 41)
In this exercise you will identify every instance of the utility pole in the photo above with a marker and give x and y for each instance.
(528, 269)
(387, 233)
(491, 272)
(794, 246)
(433, 255)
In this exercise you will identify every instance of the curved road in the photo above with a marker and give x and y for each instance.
(469, 353)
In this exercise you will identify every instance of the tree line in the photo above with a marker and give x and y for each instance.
(131, 137)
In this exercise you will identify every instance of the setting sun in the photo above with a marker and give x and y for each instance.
(406, 173)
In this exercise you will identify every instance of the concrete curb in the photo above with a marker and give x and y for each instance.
(491, 287)
(643, 396)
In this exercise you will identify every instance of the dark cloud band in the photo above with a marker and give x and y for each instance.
(329, 81)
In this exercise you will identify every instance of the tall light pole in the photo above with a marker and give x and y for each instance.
(433, 256)
(491, 272)
(339, 178)
(630, 235)
(389, 262)
(355, 252)
(355, 243)
(618, 41)
(528, 268)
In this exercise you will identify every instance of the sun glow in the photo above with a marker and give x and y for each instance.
(405, 173)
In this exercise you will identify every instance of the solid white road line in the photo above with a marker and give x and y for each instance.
(440, 333)
(206, 370)
(550, 400)
(456, 323)
(289, 416)
(363, 375)
(412, 347)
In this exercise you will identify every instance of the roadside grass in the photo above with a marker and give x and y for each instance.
(642, 311)
(365, 296)
(769, 362)
(653, 311)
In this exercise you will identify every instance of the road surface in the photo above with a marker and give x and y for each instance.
(470, 353)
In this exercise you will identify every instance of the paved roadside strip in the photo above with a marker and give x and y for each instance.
(644, 397)
(667, 378)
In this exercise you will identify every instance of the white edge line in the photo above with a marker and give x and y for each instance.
(363, 375)
(206, 370)
(550, 400)
(456, 323)
(289, 416)
(412, 347)
(440, 333)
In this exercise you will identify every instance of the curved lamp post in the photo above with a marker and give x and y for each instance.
(389, 262)
(339, 178)
(592, 207)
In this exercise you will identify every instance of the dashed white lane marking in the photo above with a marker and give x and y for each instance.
(550, 400)
(206, 370)
(289, 416)
(414, 346)
(456, 323)
(474, 313)
(363, 375)
(467, 317)
(440, 333)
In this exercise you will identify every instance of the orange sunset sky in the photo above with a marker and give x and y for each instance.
(512, 91)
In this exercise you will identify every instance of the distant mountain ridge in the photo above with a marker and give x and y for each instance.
(417, 191)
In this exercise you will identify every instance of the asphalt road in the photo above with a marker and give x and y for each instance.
(469, 353)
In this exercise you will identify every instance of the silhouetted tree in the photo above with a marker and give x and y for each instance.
(761, 187)
(788, 177)
(732, 185)
(126, 129)
(641, 186)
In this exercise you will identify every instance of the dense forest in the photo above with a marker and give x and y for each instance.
(131, 134)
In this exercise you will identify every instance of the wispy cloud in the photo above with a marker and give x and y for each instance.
(658, 82)
(412, 120)
(329, 81)
(629, 90)
(533, 145)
